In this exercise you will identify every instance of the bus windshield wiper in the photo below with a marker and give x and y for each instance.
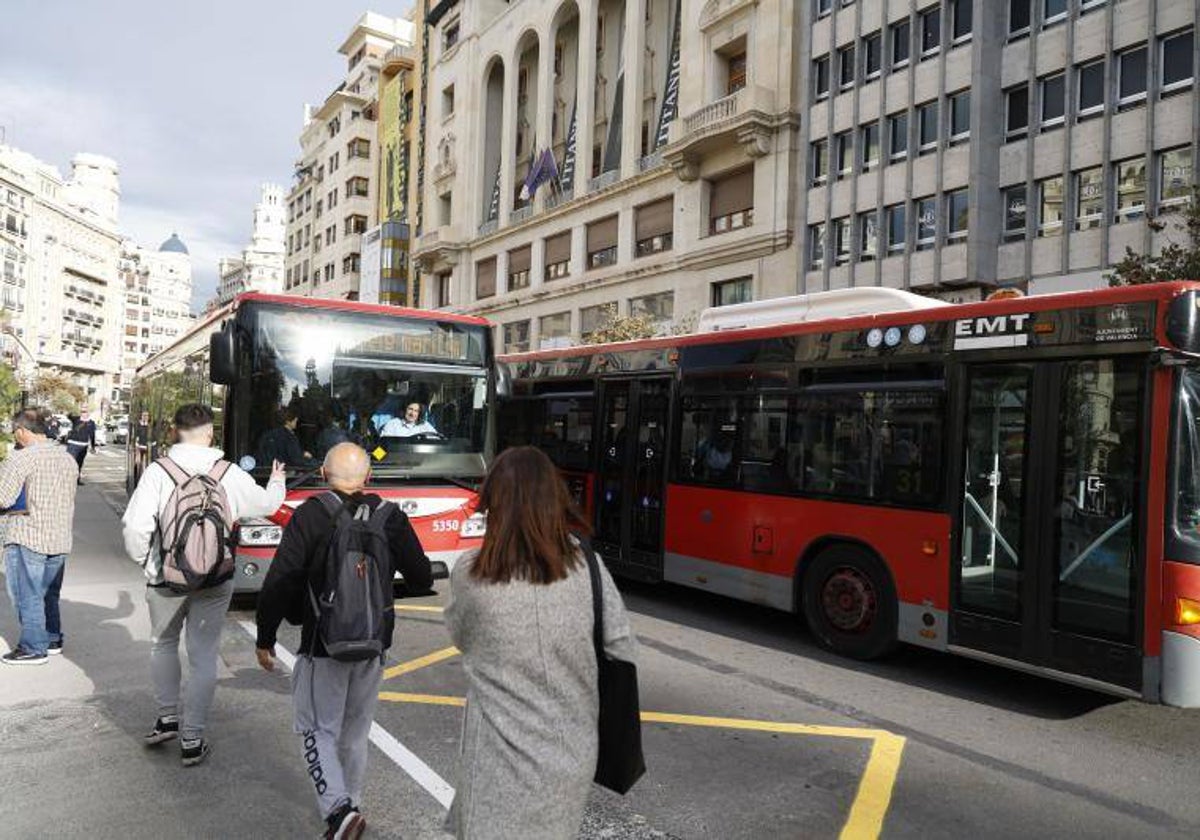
(458, 482)
(297, 480)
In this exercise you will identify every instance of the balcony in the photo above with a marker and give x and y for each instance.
(489, 227)
(400, 57)
(520, 214)
(603, 181)
(439, 246)
(651, 162)
(746, 118)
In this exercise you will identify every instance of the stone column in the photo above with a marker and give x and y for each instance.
(508, 139)
(585, 96)
(633, 55)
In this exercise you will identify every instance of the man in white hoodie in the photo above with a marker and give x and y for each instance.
(199, 613)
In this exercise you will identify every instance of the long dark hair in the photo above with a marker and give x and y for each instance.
(530, 520)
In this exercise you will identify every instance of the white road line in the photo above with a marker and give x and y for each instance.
(402, 756)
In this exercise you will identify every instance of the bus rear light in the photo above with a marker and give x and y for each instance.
(929, 548)
(1187, 611)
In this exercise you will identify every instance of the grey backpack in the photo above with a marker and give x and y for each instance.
(357, 591)
(194, 529)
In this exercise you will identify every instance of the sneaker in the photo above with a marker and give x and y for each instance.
(54, 648)
(20, 656)
(346, 823)
(193, 751)
(165, 728)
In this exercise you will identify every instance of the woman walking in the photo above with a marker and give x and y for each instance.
(520, 611)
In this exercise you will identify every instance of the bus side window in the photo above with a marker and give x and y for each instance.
(708, 441)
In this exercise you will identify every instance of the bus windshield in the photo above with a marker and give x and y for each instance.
(1187, 467)
(412, 392)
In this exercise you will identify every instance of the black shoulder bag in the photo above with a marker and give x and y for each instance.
(620, 762)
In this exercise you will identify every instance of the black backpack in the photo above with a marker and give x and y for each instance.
(350, 609)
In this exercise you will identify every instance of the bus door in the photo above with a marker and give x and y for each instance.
(1047, 570)
(632, 476)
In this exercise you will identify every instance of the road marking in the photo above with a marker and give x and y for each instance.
(875, 788)
(422, 662)
(418, 608)
(402, 756)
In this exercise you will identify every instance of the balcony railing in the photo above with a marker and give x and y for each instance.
(555, 199)
(520, 214)
(489, 226)
(651, 161)
(713, 113)
(604, 180)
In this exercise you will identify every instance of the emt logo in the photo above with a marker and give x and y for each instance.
(992, 331)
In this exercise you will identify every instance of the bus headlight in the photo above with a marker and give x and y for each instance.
(260, 535)
(475, 526)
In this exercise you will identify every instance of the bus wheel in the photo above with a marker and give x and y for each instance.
(850, 603)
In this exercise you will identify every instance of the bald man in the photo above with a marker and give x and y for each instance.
(334, 702)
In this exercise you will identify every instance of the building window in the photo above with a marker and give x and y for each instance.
(554, 330)
(558, 256)
(868, 236)
(821, 77)
(841, 241)
(448, 101)
(816, 246)
(869, 145)
(443, 289)
(1053, 11)
(1050, 206)
(823, 7)
(897, 228)
(1131, 188)
(736, 74)
(872, 52)
(1131, 76)
(1089, 198)
(1053, 100)
(658, 307)
(351, 264)
(960, 116)
(846, 67)
(1091, 89)
(1014, 213)
(592, 318)
(898, 136)
(357, 187)
(927, 216)
(654, 227)
(602, 243)
(450, 34)
(516, 336)
(519, 260)
(1177, 61)
(358, 148)
(355, 224)
(960, 20)
(957, 215)
(820, 162)
(899, 38)
(727, 292)
(1017, 104)
(927, 122)
(931, 31)
(1174, 178)
(731, 202)
(844, 145)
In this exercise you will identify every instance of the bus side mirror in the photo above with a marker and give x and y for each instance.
(503, 380)
(222, 355)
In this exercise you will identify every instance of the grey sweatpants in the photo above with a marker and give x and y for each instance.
(199, 616)
(334, 704)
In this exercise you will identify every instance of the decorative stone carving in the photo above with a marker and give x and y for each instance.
(715, 11)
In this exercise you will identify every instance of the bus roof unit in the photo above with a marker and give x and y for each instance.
(818, 306)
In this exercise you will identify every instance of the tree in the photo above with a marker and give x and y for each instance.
(57, 392)
(616, 328)
(10, 390)
(1179, 259)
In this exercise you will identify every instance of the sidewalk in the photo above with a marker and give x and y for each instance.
(70, 731)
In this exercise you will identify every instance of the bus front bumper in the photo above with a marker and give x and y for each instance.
(251, 564)
(1180, 670)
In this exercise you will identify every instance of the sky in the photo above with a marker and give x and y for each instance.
(199, 103)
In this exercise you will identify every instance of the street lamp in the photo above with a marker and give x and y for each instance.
(24, 376)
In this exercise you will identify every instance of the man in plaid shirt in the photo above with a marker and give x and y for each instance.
(37, 541)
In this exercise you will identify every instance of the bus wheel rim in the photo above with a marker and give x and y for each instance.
(849, 601)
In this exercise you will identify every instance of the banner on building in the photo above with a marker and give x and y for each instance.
(612, 145)
(566, 180)
(670, 105)
(372, 265)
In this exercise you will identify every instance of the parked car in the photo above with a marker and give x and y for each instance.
(101, 435)
(119, 431)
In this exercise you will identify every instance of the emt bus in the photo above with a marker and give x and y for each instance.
(1016, 481)
(335, 371)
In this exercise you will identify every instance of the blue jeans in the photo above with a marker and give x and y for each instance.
(33, 582)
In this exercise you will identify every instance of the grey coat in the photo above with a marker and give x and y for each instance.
(529, 746)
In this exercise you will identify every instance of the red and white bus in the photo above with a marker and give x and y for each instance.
(1016, 480)
(334, 371)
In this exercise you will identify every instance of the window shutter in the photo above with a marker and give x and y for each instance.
(485, 278)
(519, 260)
(602, 234)
(655, 219)
(732, 193)
(558, 248)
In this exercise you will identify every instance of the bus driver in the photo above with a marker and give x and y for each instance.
(410, 425)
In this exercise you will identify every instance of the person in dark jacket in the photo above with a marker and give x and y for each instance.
(81, 438)
(281, 443)
(334, 702)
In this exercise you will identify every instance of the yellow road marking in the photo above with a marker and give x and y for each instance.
(422, 662)
(417, 608)
(875, 788)
(424, 699)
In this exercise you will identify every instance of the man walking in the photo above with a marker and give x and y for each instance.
(37, 543)
(82, 437)
(334, 698)
(200, 612)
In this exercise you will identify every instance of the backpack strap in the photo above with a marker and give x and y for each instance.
(332, 503)
(381, 514)
(218, 470)
(173, 470)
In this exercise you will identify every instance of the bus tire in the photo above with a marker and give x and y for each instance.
(850, 602)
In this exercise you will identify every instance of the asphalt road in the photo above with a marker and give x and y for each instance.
(751, 732)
